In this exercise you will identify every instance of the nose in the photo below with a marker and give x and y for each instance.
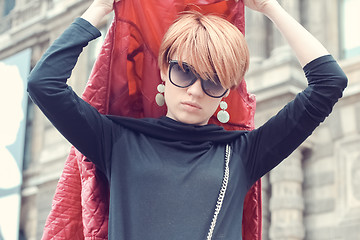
(195, 89)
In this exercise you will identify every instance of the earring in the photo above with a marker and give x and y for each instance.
(159, 98)
(223, 116)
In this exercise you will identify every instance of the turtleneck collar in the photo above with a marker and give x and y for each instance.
(168, 129)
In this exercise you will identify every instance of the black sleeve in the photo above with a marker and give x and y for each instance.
(80, 123)
(268, 145)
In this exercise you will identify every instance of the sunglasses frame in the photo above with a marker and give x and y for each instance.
(172, 63)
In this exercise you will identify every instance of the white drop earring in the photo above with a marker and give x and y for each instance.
(223, 116)
(159, 98)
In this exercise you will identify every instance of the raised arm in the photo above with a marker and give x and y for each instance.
(305, 46)
(271, 143)
(80, 123)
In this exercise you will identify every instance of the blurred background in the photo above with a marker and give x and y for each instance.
(313, 195)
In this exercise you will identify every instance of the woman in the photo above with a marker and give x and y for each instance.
(178, 177)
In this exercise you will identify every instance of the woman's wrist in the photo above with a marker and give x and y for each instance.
(271, 9)
(95, 13)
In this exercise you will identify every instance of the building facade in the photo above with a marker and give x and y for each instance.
(313, 195)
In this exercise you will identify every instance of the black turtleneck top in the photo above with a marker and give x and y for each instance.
(165, 176)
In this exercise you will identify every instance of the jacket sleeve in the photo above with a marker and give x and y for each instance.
(80, 123)
(267, 146)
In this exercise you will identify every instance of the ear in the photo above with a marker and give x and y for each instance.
(227, 93)
(164, 75)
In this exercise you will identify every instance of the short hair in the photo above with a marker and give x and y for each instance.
(211, 44)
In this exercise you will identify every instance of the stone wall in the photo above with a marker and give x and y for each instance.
(35, 24)
(313, 195)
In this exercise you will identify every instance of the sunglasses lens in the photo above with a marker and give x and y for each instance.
(213, 89)
(185, 76)
(181, 77)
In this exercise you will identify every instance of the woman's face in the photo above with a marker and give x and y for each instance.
(190, 105)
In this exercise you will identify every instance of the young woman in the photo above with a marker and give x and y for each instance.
(178, 177)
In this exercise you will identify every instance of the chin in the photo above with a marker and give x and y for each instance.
(193, 121)
(188, 118)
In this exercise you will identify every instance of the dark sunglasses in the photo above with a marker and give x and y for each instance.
(186, 76)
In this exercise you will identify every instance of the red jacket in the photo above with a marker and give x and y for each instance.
(123, 82)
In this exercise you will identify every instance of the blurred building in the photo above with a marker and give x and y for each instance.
(313, 195)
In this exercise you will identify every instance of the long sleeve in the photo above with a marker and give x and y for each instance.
(79, 122)
(268, 145)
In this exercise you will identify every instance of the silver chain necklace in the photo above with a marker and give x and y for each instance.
(222, 192)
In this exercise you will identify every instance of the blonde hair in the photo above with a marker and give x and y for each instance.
(209, 43)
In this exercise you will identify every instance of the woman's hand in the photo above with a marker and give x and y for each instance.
(259, 5)
(104, 5)
(98, 10)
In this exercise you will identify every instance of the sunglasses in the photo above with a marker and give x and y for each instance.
(186, 76)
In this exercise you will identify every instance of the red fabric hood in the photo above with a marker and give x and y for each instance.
(123, 82)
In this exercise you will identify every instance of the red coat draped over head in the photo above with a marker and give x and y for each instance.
(123, 82)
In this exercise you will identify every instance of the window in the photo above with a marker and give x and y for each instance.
(29, 136)
(8, 6)
(350, 36)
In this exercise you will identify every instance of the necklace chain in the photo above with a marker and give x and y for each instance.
(222, 192)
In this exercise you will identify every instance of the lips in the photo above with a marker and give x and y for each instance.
(191, 105)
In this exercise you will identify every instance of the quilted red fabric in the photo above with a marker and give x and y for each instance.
(123, 82)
